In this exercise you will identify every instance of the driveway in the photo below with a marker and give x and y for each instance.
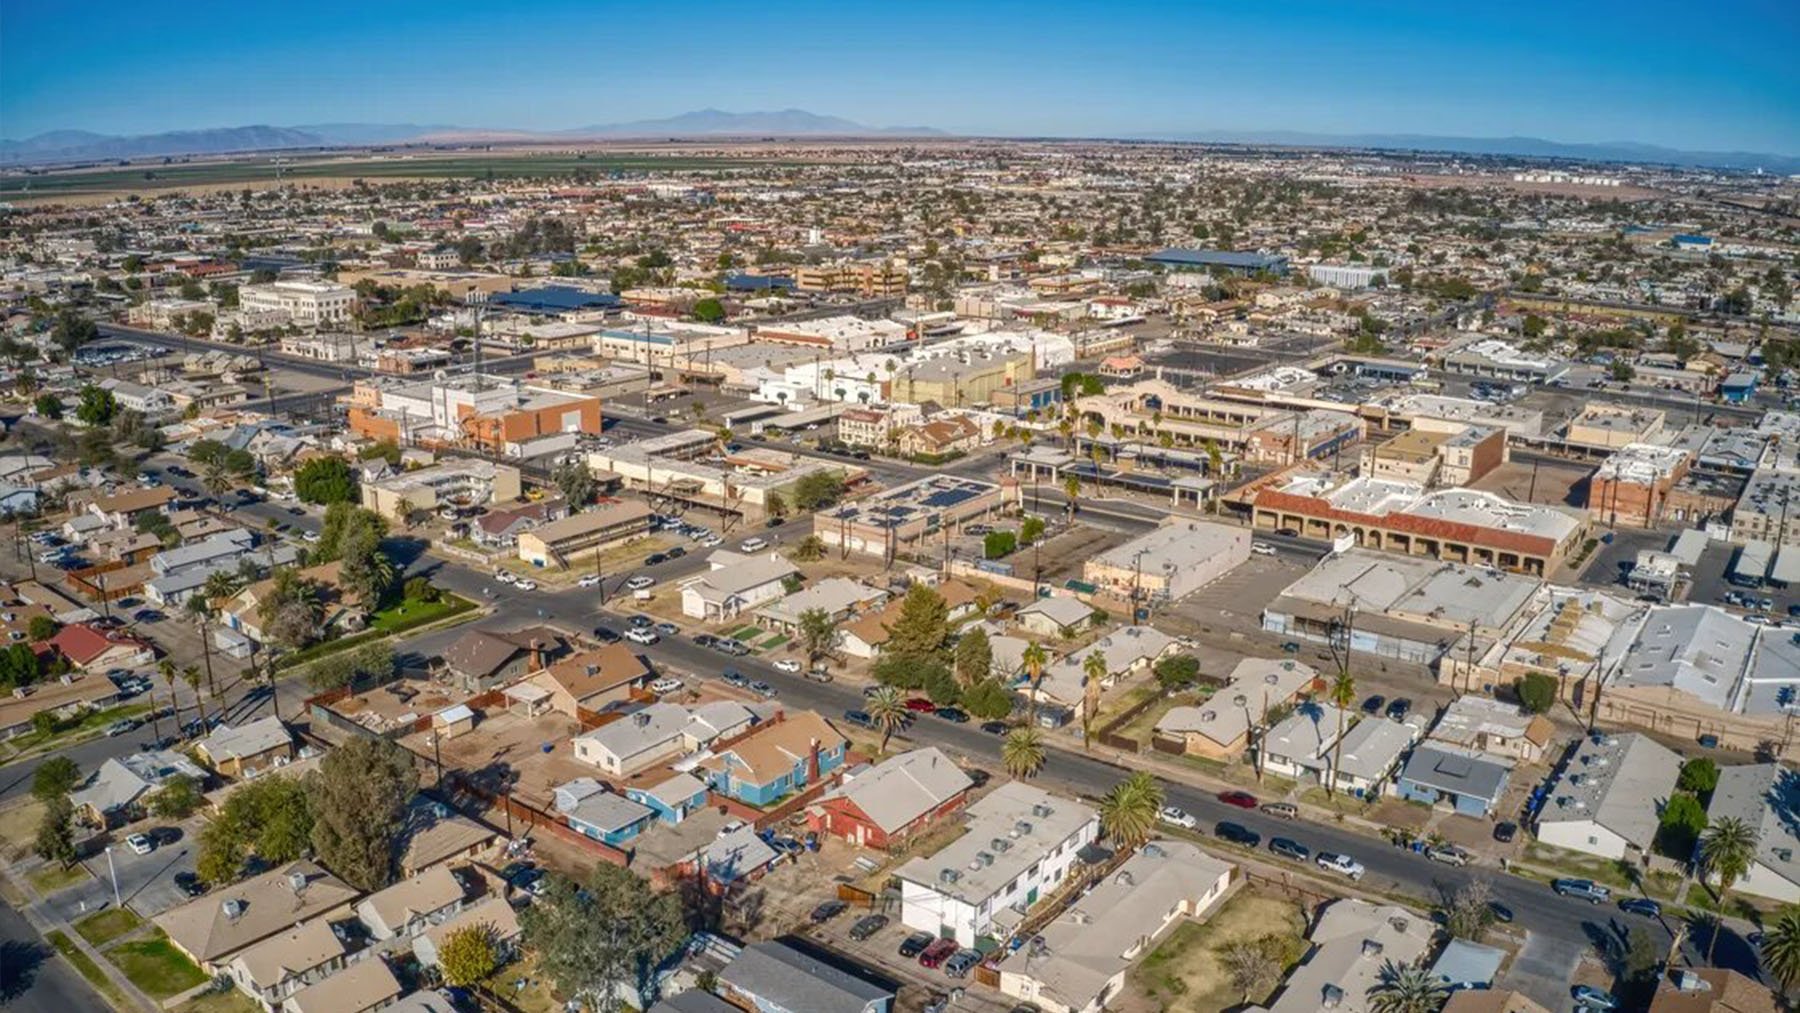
(146, 882)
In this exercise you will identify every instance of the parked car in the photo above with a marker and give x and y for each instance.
(1373, 704)
(189, 884)
(1287, 847)
(915, 944)
(640, 582)
(860, 719)
(1237, 833)
(953, 715)
(819, 673)
(1282, 810)
(667, 629)
(1589, 997)
(934, 955)
(1641, 906)
(639, 635)
(1398, 708)
(676, 552)
(1341, 864)
(867, 926)
(121, 727)
(763, 689)
(733, 677)
(1500, 911)
(591, 580)
(827, 911)
(606, 635)
(995, 727)
(1582, 889)
(666, 684)
(1262, 548)
(140, 843)
(655, 559)
(526, 585)
(978, 777)
(1505, 831)
(920, 705)
(753, 544)
(962, 963)
(705, 640)
(1241, 799)
(640, 622)
(1449, 854)
(1177, 816)
(787, 665)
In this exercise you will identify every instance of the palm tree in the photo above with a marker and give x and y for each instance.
(1023, 751)
(216, 479)
(220, 584)
(1093, 669)
(1128, 813)
(1726, 850)
(887, 710)
(1781, 948)
(1035, 658)
(1406, 988)
(1343, 695)
(200, 611)
(191, 676)
(166, 669)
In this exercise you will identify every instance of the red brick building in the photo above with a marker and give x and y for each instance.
(889, 802)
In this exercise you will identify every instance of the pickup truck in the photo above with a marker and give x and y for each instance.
(1342, 864)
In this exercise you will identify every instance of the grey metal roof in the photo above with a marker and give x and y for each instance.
(1766, 796)
(900, 789)
(1457, 771)
(783, 977)
(1619, 782)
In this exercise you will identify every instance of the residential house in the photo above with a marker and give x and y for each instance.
(564, 542)
(775, 977)
(735, 584)
(1464, 966)
(1055, 616)
(659, 732)
(1078, 962)
(95, 650)
(247, 749)
(775, 758)
(671, 799)
(1766, 796)
(481, 659)
(340, 609)
(501, 528)
(213, 929)
(1220, 727)
(945, 434)
(407, 908)
(436, 834)
(1607, 798)
(61, 699)
(1712, 990)
(1126, 651)
(864, 635)
(1350, 944)
(739, 855)
(493, 912)
(884, 805)
(275, 968)
(592, 679)
(1492, 1001)
(1022, 843)
(366, 985)
(591, 809)
(1494, 726)
(1300, 745)
(117, 792)
(1470, 782)
(1370, 754)
(121, 510)
(838, 597)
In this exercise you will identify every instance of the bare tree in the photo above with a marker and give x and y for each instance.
(1468, 910)
(1251, 965)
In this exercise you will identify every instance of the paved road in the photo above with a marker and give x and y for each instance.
(32, 980)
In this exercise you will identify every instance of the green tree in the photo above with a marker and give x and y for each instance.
(1031, 529)
(325, 480)
(1535, 326)
(1177, 672)
(1093, 677)
(176, 799)
(974, 657)
(1781, 948)
(818, 633)
(811, 548)
(42, 628)
(56, 776)
(269, 816)
(56, 832)
(709, 311)
(1406, 988)
(999, 544)
(1022, 752)
(575, 482)
(1034, 658)
(1679, 826)
(817, 491)
(611, 932)
(469, 955)
(1129, 812)
(887, 711)
(73, 330)
(49, 406)
(1468, 911)
(97, 406)
(358, 798)
(1699, 775)
(987, 700)
(923, 626)
(1537, 692)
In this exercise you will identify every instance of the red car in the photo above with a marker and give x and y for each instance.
(938, 952)
(921, 705)
(1241, 799)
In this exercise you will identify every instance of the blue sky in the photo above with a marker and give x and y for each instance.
(1718, 75)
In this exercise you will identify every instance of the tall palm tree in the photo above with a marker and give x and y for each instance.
(166, 669)
(1094, 672)
(1726, 851)
(191, 676)
(1034, 657)
(1023, 751)
(1343, 696)
(1406, 988)
(1781, 948)
(216, 480)
(220, 584)
(887, 710)
(1071, 489)
(200, 611)
(1128, 813)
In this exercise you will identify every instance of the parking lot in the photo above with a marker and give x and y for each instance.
(146, 882)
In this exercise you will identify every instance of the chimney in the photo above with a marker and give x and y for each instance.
(812, 763)
(537, 654)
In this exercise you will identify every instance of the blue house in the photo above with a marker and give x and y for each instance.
(672, 800)
(1737, 388)
(592, 810)
(777, 759)
(1470, 782)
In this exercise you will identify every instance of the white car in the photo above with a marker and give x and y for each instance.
(665, 685)
(526, 585)
(787, 665)
(591, 580)
(641, 636)
(141, 844)
(504, 576)
(640, 582)
(1341, 864)
(1178, 817)
(1262, 548)
(712, 541)
(753, 544)
(310, 536)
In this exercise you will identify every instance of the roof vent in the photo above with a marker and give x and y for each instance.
(984, 858)
(296, 881)
(1332, 998)
(949, 875)
(1371, 948)
(233, 908)
(1022, 827)
(1041, 810)
(1000, 844)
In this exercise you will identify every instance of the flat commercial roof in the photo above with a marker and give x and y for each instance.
(1218, 258)
(554, 299)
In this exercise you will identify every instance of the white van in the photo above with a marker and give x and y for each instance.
(754, 544)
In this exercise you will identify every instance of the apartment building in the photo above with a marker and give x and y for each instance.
(898, 518)
(306, 303)
(1433, 458)
(1171, 562)
(871, 279)
(460, 483)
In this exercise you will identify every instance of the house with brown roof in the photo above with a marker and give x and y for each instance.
(436, 834)
(592, 679)
(366, 985)
(479, 660)
(246, 749)
(121, 510)
(775, 759)
(942, 435)
(501, 528)
(494, 913)
(865, 635)
(214, 929)
(96, 650)
(412, 905)
(340, 609)
(285, 963)
(1711, 990)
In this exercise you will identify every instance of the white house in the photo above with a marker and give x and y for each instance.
(1766, 796)
(1020, 846)
(1370, 754)
(1300, 746)
(1606, 799)
(735, 584)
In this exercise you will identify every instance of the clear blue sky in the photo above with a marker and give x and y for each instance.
(1715, 75)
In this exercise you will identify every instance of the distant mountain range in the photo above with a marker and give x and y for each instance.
(81, 145)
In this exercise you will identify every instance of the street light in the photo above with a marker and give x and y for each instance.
(115, 877)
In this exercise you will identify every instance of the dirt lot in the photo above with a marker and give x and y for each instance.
(1186, 970)
(1555, 484)
(1063, 554)
(397, 703)
(506, 750)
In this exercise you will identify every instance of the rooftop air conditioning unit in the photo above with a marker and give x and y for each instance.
(1022, 827)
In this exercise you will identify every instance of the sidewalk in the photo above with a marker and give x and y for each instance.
(45, 921)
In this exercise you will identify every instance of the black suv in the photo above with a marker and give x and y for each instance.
(915, 944)
(1289, 848)
(1237, 833)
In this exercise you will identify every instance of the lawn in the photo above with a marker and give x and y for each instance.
(746, 633)
(229, 1001)
(156, 966)
(1562, 862)
(1187, 971)
(18, 828)
(86, 966)
(83, 727)
(52, 878)
(394, 619)
(103, 927)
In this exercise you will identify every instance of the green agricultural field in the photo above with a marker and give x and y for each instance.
(151, 177)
